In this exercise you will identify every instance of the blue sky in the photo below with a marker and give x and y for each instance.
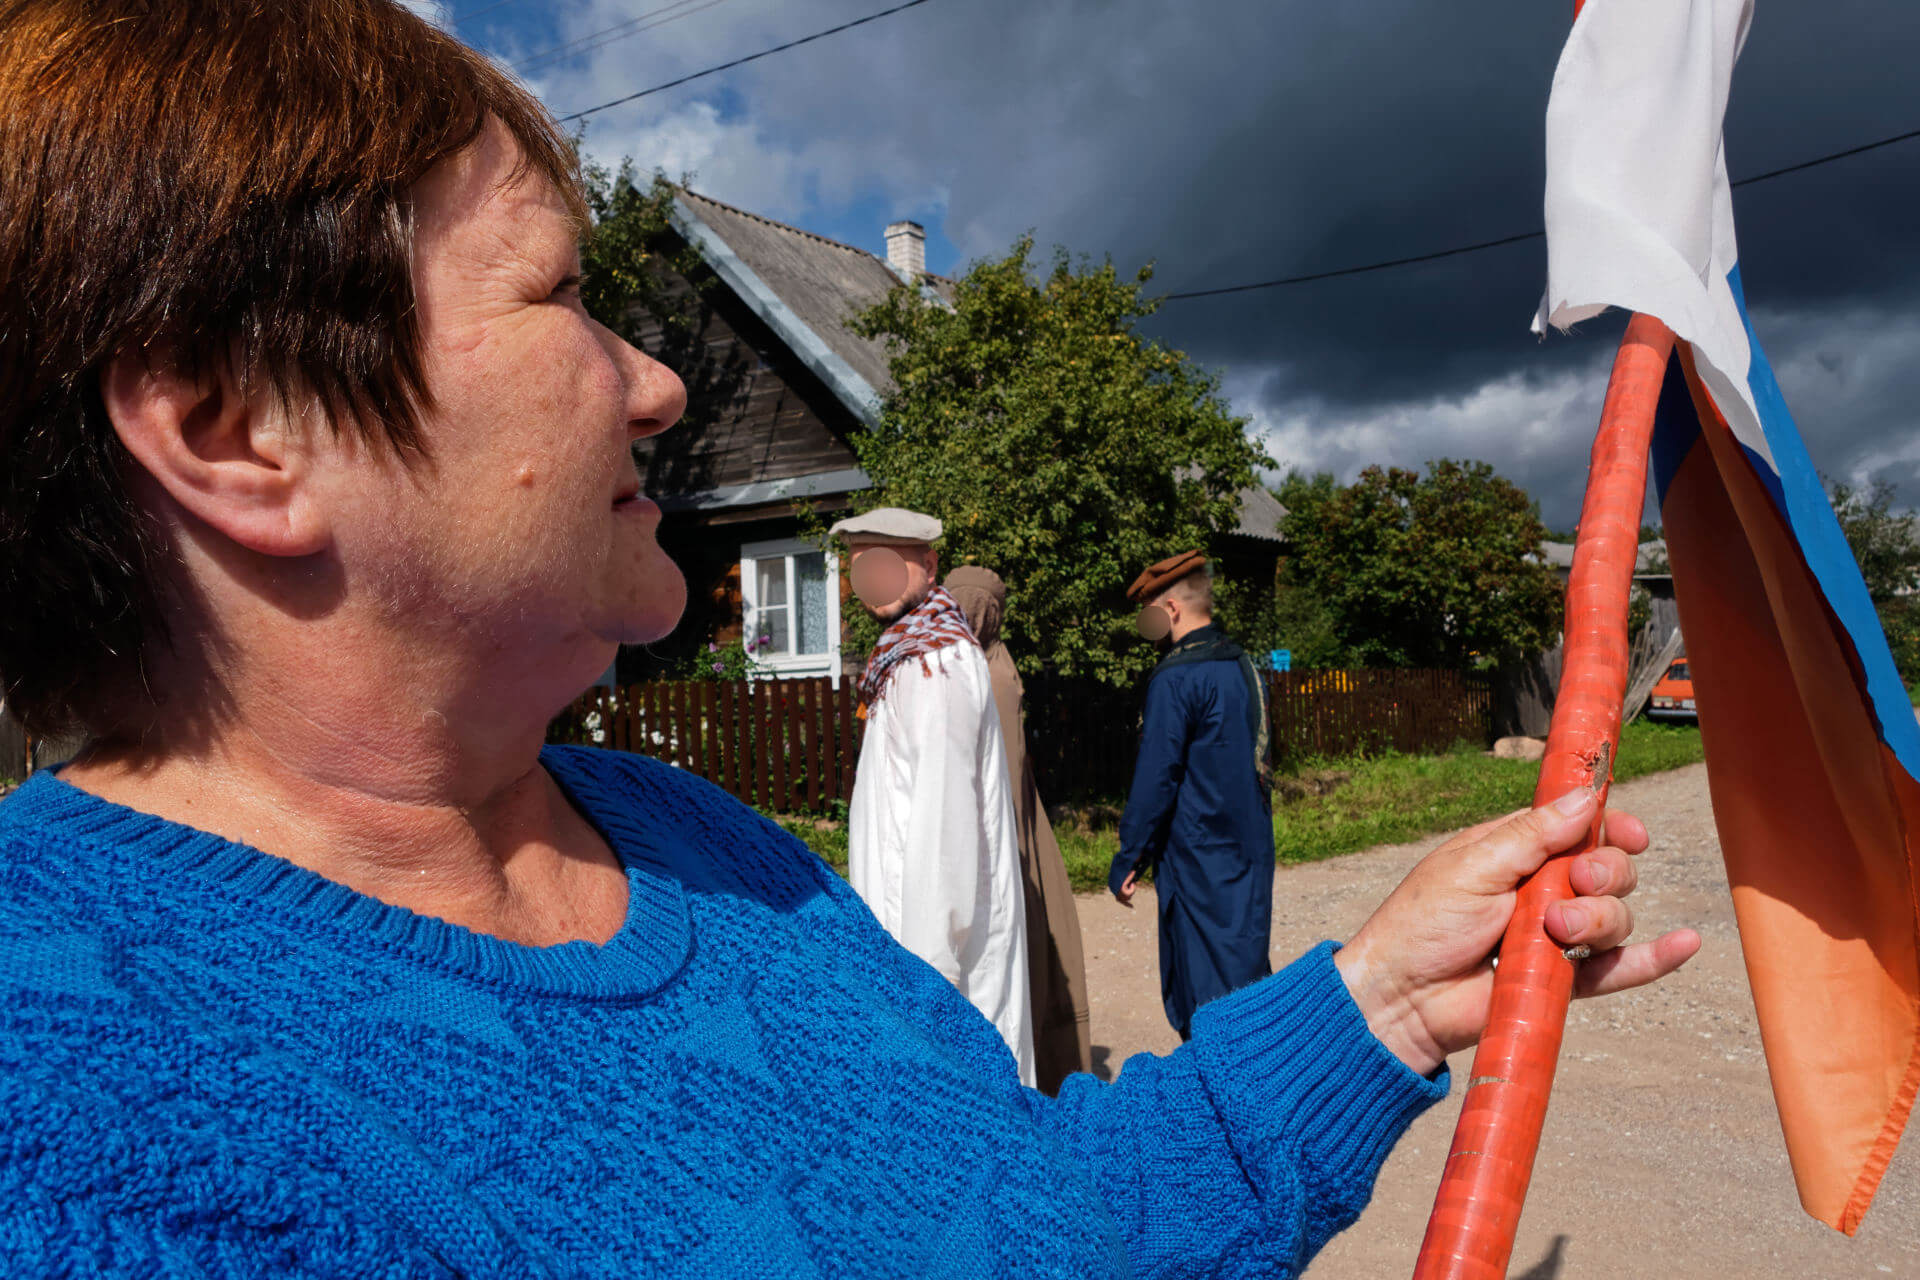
(535, 31)
(1237, 140)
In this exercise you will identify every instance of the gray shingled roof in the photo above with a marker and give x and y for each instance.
(1260, 513)
(824, 282)
(1559, 555)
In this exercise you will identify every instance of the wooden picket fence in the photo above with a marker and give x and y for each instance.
(784, 745)
(791, 745)
(1336, 713)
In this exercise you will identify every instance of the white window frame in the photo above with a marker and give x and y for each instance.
(790, 666)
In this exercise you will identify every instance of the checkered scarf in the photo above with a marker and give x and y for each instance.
(933, 624)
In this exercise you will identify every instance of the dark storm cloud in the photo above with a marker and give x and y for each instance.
(1242, 140)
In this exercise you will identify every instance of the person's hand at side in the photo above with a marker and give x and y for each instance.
(1125, 892)
(1420, 968)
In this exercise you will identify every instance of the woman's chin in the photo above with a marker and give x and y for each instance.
(657, 612)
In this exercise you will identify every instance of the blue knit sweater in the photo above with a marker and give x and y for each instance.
(214, 1063)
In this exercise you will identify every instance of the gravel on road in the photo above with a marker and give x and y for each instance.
(1662, 1155)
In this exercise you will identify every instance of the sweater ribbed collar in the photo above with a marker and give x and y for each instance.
(653, 944)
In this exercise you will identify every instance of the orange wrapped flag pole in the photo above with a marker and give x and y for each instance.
(1477, 1211)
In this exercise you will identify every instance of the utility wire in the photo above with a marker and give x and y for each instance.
(737, 62)
(1354, 271)
(1513, 239)
(619, 31)
(1828, 159)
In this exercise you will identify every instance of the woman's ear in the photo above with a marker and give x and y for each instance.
(237, 462)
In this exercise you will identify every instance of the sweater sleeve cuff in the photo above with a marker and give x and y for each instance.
(1301, 1082)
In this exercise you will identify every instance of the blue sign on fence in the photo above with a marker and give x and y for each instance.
(1282, 659)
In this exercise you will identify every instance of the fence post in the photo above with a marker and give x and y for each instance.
(851, 735)
(686, 701)
(816, 731)
(834, 729)
(723, 739)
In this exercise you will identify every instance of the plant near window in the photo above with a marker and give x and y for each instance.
(719, 663)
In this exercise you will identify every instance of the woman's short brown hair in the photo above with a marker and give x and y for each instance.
(218, 181)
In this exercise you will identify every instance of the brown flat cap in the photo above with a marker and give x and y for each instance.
(1158, 577)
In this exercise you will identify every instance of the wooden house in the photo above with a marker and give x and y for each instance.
(778, 385)
(778, 388)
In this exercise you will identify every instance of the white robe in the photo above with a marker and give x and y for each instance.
(932, 845)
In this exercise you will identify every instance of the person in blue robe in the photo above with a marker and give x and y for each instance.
(1199, 813)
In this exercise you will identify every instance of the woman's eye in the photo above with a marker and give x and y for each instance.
(568, 287)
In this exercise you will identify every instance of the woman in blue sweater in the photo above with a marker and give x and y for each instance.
(318, 503)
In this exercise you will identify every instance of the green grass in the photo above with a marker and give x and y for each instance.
(1386, 799)
(1088, 854)
(1390, 799)
(828, 838)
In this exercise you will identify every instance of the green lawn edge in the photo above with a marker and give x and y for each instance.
(1354, 803)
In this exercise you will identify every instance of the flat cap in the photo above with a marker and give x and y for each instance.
(1158, 577)
(896, 524)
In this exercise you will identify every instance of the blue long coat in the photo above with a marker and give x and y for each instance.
(1200, 813)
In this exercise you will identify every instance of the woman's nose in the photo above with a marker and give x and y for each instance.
(655, 395)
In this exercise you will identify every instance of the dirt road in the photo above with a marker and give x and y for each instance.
(1662, 1155)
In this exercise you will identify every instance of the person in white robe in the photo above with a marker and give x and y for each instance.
(933, 849)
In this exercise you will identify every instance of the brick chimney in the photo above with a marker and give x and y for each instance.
(907, 250)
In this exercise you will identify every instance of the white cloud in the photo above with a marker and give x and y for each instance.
(789, 152)
(1535, 429)
(1854, 387)
(1518, 417)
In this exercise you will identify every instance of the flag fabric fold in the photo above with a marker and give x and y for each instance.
(1813, 752)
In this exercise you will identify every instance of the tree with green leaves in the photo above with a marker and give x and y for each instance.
(629, 256)
(1886, 543)
(1062, 448)
(643, 282)
(1404, 570)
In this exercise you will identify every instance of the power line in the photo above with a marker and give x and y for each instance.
(1828, 159)
(737, 62)
(1513, 239)
(1354, 271)
(619, 31)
